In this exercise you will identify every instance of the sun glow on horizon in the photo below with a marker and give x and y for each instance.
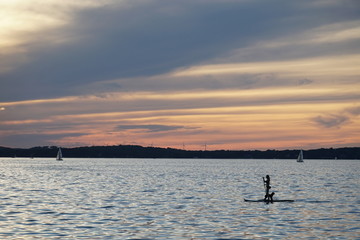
(251, 126)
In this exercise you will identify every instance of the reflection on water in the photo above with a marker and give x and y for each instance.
(177, 199)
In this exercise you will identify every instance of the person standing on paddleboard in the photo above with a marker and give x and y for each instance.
(268, 197)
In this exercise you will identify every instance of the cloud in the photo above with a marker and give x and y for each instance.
(305, 81)
(28, 140)
(150, 128)
(353, 111)
(329, 39)
(347, 65)
(145, 38)
(136, 69)
(116, 105)
(331, 121)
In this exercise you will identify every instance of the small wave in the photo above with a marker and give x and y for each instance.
(85, 227)
(47, 212)
(190, 197)
(317, 201)
(13, 213)
(150, 190)
(107, 207)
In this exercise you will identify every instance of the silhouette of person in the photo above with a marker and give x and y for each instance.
(268, 197)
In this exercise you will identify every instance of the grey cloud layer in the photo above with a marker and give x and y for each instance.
(28, 140)
(151, 38)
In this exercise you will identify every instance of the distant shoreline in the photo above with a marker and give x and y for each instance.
(135, 151)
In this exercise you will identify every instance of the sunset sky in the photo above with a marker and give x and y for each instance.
(228, 74)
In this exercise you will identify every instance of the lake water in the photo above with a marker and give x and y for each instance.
(177, 199)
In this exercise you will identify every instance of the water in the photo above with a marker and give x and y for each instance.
(177, 199)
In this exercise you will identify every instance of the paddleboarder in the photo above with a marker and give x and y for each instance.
(268, 197)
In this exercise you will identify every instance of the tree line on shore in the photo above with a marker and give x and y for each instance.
(135, 151)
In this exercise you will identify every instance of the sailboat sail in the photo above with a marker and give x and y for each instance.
(59, 155)
(300, 157)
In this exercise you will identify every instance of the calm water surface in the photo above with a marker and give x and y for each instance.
(177, 199)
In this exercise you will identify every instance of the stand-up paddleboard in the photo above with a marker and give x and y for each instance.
(262, 200)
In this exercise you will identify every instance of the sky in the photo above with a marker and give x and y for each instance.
(187, 74)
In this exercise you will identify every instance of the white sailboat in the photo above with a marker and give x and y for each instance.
(300, 157)
(59, 155)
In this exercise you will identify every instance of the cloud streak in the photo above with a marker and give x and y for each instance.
(28, 140)
(331, 120)
(150, 128)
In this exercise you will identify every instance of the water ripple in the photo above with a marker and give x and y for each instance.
(177, 199)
